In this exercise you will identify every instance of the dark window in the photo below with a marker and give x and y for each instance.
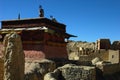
(112, 56)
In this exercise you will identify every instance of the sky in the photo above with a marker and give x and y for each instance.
(90, 20)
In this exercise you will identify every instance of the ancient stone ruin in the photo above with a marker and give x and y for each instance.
(13, 57)
(72, 72)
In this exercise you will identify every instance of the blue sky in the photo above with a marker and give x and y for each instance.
(88, 19)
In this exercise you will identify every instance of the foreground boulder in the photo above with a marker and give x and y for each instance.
(13, 57)
(72, 72)
(36, 69)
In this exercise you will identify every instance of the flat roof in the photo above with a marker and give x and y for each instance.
(32, 19)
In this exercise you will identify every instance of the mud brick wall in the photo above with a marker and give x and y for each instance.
(55, 52)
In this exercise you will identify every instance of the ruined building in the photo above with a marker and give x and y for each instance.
(103, 44)
(41, 37)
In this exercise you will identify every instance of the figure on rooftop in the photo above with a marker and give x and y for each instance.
(41, 14)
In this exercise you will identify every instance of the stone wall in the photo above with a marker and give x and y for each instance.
(1, 49)
(1, 62)
(1, 68)
(14, 58)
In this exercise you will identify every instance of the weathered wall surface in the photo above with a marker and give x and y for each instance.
(103, 44)
(14, 58)
(1, 49)
(33, 51)
(55, 52)
(116, 45)
(1, 62)
(1, 68)
(114, 56)
(80, 50)
(40, 51)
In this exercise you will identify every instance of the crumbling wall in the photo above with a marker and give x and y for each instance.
(103, 44)
(116, 45)
(1, 62)
(13, 57)
(79, 50)
(1, 68)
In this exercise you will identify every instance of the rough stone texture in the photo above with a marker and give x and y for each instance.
(72, 72)
(95, 60)
(103, 44)
(107, 68)
(114, 56)
(36, 69)
(84, 51)
(76, 49)
(116, 45)
(13, 57)
(1, 68)
(1, 49)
